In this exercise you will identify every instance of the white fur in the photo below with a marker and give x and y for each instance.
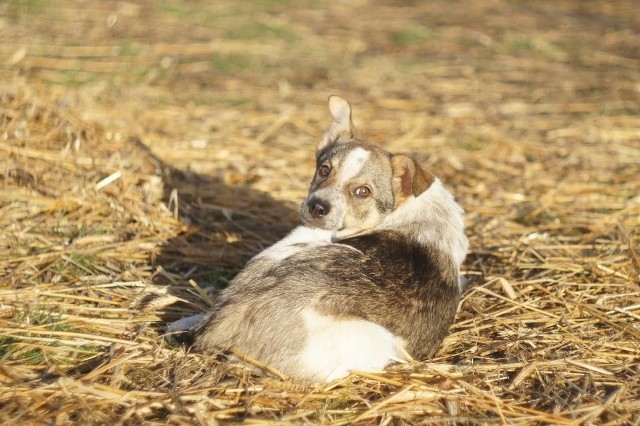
(300, 239)
(352, 165)
(335, 347)
(300, 235)
(433, 217)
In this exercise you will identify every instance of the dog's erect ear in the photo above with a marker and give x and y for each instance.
(408, 178)
(341, 125)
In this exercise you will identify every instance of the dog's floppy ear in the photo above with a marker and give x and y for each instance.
(341, 125)
(408, 177)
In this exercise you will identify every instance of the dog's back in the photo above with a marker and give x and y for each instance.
(333, 308)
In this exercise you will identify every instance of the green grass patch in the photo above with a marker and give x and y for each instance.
(33, 356)
(19, 11)
(473, 144)
(234, 102)
(76, 263)
(411, 34)
(35, 315)
(174, 10)
(72, 78)
(129, 50)
(229, 63)
(27, 3)
(217, 277)
(54, 321)
(6, 343)
(523, 45)
(254, 30)
(10, 348)
(32, 5)
(270, 3)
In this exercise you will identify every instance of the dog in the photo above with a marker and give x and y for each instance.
(372, 275)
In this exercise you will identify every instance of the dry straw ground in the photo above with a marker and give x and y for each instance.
(148, 149)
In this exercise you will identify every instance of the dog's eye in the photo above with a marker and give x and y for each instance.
(324, 170)
(362, 192)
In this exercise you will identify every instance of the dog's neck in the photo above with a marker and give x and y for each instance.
(432, 218)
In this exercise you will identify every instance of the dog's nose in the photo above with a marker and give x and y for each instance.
(318, 208)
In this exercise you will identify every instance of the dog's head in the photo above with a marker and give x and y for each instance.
(357, 184)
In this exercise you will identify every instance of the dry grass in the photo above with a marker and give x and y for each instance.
(141, 169)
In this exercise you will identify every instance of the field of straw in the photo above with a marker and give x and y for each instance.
(149, 148)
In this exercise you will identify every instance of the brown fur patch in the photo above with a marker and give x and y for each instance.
(409, 179)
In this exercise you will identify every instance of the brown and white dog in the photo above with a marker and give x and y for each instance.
(371, 275)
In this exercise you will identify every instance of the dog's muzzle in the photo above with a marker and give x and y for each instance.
(318, 208)
(317, 212)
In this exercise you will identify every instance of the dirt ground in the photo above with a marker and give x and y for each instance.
(148, 149)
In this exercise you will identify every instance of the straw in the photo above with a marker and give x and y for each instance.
(141, 169)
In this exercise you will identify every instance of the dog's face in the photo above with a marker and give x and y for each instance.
(357, 184)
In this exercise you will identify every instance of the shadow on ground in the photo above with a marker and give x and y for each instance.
(223, 227)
